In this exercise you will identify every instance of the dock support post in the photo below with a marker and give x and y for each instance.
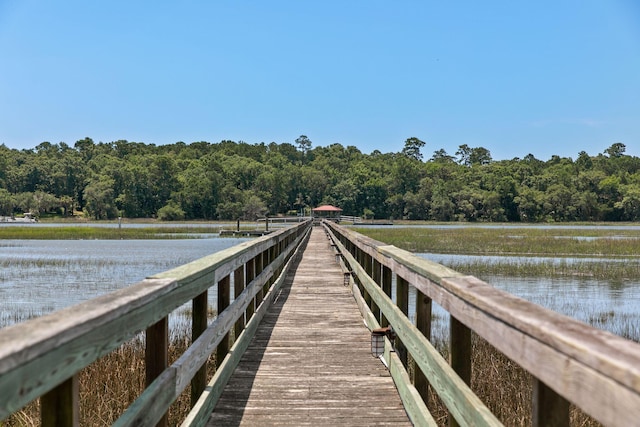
(460, 353)
(198, 325)
(238, 287)
(250, 274)
(59, 407)
(423, 323)
(224, 299)
(387, 279)
(376, 275)
(157, 355)
(402, 301)
(549, 408)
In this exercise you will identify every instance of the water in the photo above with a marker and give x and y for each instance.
(610, 305)
(41, 276)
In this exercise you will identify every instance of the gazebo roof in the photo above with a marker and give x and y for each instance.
(326, 208)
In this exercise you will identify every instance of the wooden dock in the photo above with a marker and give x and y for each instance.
(310, 361)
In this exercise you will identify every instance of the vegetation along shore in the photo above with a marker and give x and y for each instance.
(230, 180)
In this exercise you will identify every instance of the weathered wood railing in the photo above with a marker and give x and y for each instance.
(569, 361)
(42, 357)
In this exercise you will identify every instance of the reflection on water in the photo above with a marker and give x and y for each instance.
(41, 276)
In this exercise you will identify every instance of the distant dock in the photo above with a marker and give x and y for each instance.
(244, 233)
(373, 222)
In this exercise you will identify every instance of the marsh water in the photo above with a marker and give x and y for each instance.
(610, 305)
(41, 276)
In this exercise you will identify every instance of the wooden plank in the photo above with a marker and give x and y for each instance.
(607, 366)
(402, 302)
(459, 354)
(157, 357)
(148, 409)
(59, 407)
(455, 394)
(224, 262)
(549, 408)
(238, 287)
(598, 393)
(198, 326)
(224, 298)
(200, 413)
(199, 351)
(165, 389)
(413, 402)
(41, 353)
(298, 366)
(423, 324)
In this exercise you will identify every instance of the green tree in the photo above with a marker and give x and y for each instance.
(171, 212)
(304, 145)
(412, 148)
(630, 203)
(99, 199)
(441, 156)
(6, 203)
(616, 150)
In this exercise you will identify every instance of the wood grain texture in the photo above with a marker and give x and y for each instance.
(309, 362)
(200, 412)
(594, 369)
(37, 355)
(464, 405)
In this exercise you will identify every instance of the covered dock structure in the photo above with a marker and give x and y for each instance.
(327, 212)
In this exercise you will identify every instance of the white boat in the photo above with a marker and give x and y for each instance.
(27, 218)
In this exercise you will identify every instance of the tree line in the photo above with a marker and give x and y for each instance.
(231, 180)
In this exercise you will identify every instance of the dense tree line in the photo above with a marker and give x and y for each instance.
(230, 180)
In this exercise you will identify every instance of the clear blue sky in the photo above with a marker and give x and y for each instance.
(543, 77)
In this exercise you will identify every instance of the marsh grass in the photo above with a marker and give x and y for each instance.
(524, 267)
(511, 241)
(111, 384)
(502, 385)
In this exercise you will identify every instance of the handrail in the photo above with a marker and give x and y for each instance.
(569, 360)
(42, 356)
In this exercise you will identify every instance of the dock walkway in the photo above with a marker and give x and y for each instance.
(310, 361)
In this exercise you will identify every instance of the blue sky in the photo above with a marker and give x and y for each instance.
(544, 77)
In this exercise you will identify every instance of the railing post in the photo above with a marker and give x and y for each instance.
(238, 287)
(376, 275)
(268, 257)
(199, 306)
(402, 301)
(549, 408)
(59, 407)
(460, 353)
(250, 274)
(258, 264)
(366, 263)
(157, 355)
(387, 280)
(423, 323)
(359, 256)
(224, 298)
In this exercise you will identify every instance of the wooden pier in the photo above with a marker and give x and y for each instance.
(292, 348)
(310, 361)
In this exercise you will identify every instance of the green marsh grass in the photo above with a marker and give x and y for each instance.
(511, 266)
(523, 241)
(112, 383)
